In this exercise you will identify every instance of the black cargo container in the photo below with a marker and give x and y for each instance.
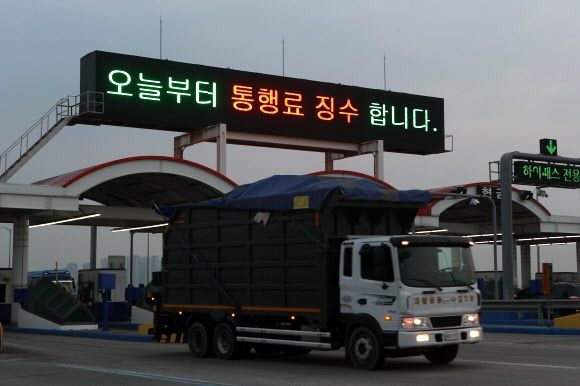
(224, 261)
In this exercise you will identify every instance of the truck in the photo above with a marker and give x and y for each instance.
(291, 264)
(58, 276)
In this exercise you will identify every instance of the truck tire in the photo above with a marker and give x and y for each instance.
(364, 349)
(442, 355)
(225, 344)
(200, 341)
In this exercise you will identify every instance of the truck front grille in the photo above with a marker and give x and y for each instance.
(446, 321)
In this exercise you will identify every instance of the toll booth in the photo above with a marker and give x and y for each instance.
(88, 291)
(486, 284)
(5, 295)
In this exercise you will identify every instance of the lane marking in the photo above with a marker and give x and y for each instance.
(144, 375)
(520, 364)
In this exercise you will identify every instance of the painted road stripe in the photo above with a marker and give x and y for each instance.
(520, 364)
(144, 375)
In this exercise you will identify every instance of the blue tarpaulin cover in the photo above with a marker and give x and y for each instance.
(279, 192)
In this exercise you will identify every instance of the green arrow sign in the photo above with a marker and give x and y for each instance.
(548, 146)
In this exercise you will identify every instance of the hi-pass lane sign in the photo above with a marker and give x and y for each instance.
(167, 95)
(546, 174)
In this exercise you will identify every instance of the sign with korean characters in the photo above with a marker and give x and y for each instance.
(491, 191)
(546, 174)
(174, 96)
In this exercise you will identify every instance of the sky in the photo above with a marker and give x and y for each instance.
(507, 71)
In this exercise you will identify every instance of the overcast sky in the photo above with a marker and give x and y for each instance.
(507, 70)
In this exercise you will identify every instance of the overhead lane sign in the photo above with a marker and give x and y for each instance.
(174, 96)
(546, 174)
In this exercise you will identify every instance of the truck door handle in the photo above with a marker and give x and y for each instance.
(362, 301)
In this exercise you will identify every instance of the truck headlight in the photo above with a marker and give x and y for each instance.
(414, 323)
(470, 320)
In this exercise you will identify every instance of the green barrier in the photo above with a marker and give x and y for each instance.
(51, 302)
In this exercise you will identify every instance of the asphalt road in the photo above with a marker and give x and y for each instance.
(501, 359)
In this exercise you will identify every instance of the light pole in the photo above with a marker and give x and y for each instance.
(9, 245)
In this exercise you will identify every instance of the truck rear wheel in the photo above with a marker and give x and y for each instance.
(199, 340)
(442, 355)
(225, 344)
(364, 349)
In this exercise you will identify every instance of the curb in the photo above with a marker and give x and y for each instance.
(83, 334)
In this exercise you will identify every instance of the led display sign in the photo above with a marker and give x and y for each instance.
(546, 174)
(167, 95)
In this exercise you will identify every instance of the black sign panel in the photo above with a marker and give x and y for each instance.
(546, 174)
(493, 192)
(167, 95)
(548, 146)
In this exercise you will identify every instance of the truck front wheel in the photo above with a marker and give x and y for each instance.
(199, 340)
(364, 349)
(442, 355)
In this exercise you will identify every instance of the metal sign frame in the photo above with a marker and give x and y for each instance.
(506, 177)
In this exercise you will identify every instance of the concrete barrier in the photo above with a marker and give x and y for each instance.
(570, 321)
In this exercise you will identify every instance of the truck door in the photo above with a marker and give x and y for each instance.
(377, 292)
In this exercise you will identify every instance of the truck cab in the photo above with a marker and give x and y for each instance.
(417, 294)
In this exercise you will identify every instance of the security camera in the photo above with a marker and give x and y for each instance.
(474, 202)
(541, 193)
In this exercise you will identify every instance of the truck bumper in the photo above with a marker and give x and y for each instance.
(417, 339)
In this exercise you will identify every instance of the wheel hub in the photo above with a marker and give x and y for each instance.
(363, 349)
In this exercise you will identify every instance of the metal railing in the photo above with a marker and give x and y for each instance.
(69, 106)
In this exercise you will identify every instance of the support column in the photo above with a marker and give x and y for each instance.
(538, 266)
(515, 264)
(328, 162)
(379, 156)
(525, 253)
(132, 233)
(578, 259)
(20, 263)
(93, 257)
(221, 149)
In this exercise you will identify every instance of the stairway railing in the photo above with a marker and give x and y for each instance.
(45, 128)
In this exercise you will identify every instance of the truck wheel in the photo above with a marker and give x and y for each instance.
(364, 349)
(442, 355)
(225, 344)
(199, 341)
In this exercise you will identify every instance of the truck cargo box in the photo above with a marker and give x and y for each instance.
(273, 246)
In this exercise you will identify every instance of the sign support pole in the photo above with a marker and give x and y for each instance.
(221, 149)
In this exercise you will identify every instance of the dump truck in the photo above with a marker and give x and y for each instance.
(291, 264)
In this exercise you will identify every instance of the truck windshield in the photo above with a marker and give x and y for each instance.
(436, 266)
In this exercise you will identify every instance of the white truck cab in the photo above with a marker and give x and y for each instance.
(420, 291)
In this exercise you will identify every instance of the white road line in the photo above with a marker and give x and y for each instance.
(521, 364)
(143, 375)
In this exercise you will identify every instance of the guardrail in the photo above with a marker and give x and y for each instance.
(542, 307)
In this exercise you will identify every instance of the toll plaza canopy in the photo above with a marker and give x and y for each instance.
(532, 221)
(120, 191)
